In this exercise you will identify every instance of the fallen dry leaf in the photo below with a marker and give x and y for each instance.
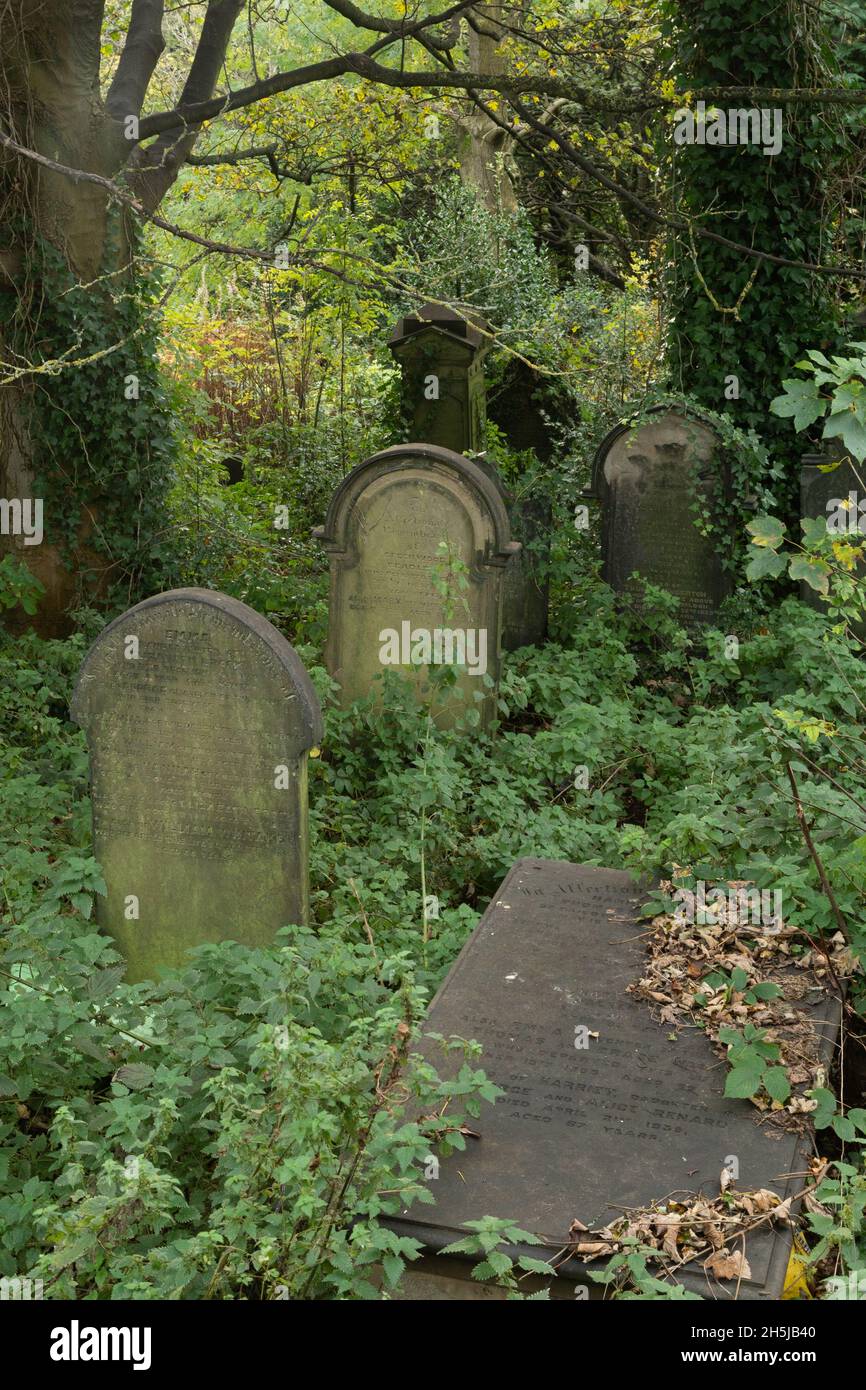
(725, 1264)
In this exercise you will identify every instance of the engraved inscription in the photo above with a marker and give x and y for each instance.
(184, 740)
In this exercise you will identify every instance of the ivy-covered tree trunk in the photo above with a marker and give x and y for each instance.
(83, 423)
(737, 324)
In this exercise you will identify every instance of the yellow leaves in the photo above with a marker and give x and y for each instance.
(807, 725)
(847, 554)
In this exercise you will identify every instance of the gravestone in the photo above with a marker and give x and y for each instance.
(441, 354)
(590, 1123)
(383, 530)
(199, 717)
(517, 409)
(645, 478)
(820, 496)
(527, 585)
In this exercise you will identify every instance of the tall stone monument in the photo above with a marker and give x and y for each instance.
(646, 479)
(199, 717)
(441, 353)
(418, 540)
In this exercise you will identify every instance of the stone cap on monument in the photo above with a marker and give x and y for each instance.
(460, 323)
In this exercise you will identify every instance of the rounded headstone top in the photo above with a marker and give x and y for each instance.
(684, 427)
(282, 660)
(442, 462)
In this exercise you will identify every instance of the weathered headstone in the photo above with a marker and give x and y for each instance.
(837, 497)
(646, 479)
(515, 405)
(396, 598)
(526, 593)
(199, 717)
(441, 353)
(603, 1110)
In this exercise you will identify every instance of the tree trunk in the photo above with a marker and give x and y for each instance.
(485, 149)
(101, 468)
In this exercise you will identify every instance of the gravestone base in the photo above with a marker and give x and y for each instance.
(604, 1110)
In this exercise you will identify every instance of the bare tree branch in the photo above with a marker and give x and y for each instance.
(153, 170)
(141, 53)
(403, 28)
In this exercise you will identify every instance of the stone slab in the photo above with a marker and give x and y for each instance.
(584, 1133)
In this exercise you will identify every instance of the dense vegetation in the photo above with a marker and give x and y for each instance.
(236, 1129)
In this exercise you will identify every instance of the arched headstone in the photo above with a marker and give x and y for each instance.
(646, 479)
(441, 352)
(199, 717)
(384, 533)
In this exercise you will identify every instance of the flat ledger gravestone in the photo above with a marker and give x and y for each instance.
(199, 716)
(383, 530)
(582, 1133)
(644, 478)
